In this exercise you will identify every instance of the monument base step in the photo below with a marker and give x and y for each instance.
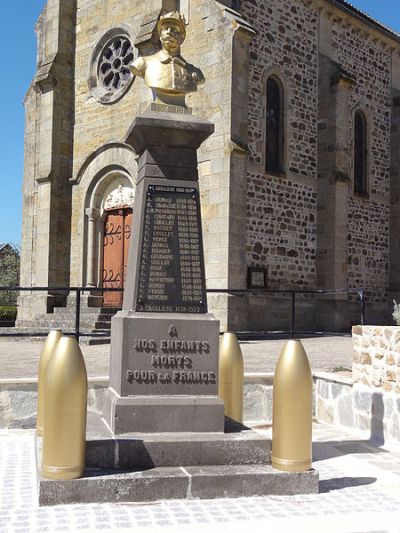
(238, 445)
(152, 467)
(163, 414)
(192, 482)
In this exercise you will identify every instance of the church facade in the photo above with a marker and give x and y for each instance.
(300, 184)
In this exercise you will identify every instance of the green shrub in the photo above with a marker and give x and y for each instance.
(8, 313)
(396, 313)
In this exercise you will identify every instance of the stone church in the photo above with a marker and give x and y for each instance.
(300, 184)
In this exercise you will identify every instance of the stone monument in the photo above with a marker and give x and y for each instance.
(164, 344)
(163, 434)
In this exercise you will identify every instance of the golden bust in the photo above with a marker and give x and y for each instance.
(166, 72)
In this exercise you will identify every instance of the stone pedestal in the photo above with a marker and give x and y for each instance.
(164, 344)
(163, 374)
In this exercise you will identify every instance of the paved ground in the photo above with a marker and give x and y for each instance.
(19, 359)
(359, 492)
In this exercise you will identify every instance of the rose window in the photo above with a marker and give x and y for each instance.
(113, 69)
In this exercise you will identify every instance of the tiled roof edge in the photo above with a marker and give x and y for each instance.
(346, 6)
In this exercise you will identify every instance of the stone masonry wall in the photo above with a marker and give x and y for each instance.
(368, 247)
(376, 376)
(281, 225)
(282, 230)
(376, 357)
(369, 64)
(282, 213)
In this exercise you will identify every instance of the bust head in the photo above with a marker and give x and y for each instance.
(172, 32)
(170, 78)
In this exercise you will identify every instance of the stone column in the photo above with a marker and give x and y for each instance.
(334, 182)
(91, 275)
(48, 162)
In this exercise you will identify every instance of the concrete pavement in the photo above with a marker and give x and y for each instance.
(20, 359)
(359, 492)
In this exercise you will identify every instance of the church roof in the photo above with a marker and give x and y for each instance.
(362, 15)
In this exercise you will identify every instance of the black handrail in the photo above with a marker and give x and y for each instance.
(293, 292)
(233, 292)
(78, 291)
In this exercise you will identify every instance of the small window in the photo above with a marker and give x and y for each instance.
(360, 153)
(274, 126)
(256, 278)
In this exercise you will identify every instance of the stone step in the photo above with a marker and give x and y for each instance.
(109, 311)
(86, 339)
(38, 323)
(94, 322)
(94, 341)
(84, 323)
(68, 321)
(191, 482)
(36, 334)
(97, 325)
(158, 466)
(83, 318)
(67, 328)
(26, 329)
(144, 451)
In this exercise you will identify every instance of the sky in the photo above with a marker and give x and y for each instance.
(18, 19)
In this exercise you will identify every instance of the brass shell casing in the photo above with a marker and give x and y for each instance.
(64, 423)
(231, 376)
(292, 410)
(48, 349)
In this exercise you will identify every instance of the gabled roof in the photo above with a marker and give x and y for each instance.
(361, 15)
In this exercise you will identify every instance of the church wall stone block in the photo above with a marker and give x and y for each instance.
(281, 211)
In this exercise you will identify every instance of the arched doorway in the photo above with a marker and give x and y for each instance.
(117, 231)
(107, 180)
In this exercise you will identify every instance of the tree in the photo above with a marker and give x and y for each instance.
(10, 257)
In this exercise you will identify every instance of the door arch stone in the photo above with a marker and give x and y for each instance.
(113, 192)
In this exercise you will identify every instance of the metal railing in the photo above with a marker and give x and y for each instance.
(67, 290)
(79, 291)
(293, 292)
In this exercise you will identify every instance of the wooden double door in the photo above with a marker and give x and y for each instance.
(117, 236)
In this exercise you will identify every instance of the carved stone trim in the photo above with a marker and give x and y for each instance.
(118, 198)
(109, 75)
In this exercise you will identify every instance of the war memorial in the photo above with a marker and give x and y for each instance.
(163, 433)
(132, 150)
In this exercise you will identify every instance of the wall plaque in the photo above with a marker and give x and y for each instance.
(171, 278)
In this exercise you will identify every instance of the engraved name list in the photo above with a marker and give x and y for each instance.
(171, 277)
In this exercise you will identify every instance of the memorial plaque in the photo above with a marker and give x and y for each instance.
(171, 278)
(166, 355)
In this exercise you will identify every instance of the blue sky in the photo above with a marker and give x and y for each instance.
(19, 56)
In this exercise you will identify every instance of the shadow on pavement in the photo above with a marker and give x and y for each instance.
(330, 449)
(337, 483)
